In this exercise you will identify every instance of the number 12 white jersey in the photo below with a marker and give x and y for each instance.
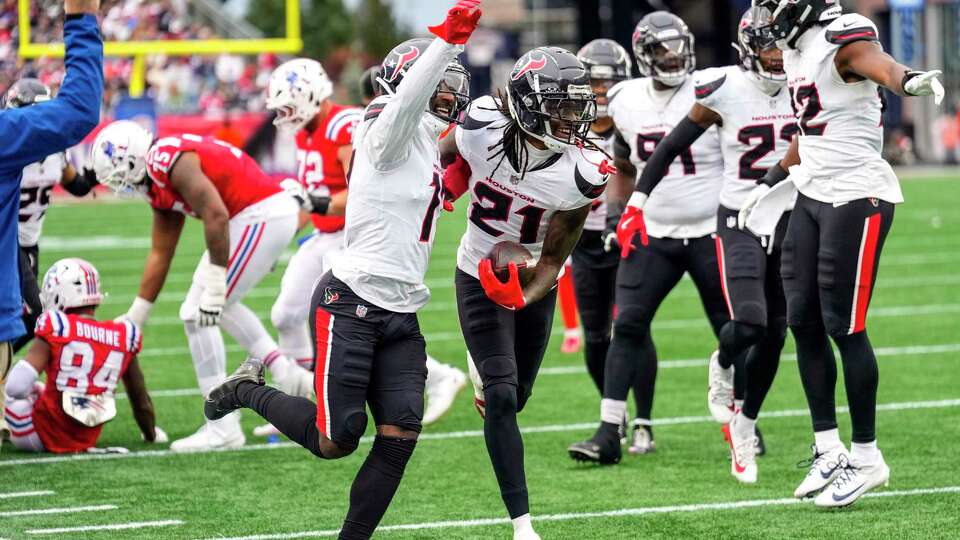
(505, 205)
(684, 205)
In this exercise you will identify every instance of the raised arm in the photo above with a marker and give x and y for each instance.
(32, 133)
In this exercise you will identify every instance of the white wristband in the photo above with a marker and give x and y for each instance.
(213, 277)
(637, 200)
(139, 311)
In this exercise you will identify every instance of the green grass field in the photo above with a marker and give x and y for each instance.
(683, 490)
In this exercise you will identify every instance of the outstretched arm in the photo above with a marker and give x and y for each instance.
(867, 60)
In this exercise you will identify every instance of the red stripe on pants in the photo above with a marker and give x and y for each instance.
(722, 266)
(253, 249)
(324, 329)
(867, 266)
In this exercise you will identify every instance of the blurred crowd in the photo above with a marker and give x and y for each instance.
(179, 84)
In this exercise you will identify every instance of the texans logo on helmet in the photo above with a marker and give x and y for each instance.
(404, 59)
(533, 64)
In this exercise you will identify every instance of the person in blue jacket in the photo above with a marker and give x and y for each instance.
(32, 133)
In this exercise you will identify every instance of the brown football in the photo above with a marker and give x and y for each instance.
(506, 252)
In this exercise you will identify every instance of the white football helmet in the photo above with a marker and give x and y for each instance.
(70, 283)
(119, 156)
(296, 91)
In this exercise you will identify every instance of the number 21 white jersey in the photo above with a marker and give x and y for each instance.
(507, 205)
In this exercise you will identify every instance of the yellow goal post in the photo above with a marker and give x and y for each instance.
(139, 50)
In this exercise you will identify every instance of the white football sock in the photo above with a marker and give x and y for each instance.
(522, 522)
(865, 453)
(612, 411)
(827, 440)
(295, 342)
(744, 426)
(737, 404)
(208, 354)
(243, 325)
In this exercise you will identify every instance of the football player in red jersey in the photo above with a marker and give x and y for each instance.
(83, 359)
(248, 220)
(299, 93)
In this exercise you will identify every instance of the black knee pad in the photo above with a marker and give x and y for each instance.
(632, 323)
(354, 424)
(742, 334)
(497, 369)
(501, 399)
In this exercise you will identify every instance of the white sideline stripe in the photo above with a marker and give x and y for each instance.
(623, 512)
(67, 510)
(907, 405)
(16, 494)
(663, 364)
(113, 527)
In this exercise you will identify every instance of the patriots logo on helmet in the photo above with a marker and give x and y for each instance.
(404, 59)
(533, 64)
(292, 78)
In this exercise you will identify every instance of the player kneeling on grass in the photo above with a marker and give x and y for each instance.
(83, 359)
(369, 348)
(248, 221)
(847, 193)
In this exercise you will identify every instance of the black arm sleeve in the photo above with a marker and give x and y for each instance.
(320, 204)
(620, 147)
(679, 139)
(82, 183)
(774, 175)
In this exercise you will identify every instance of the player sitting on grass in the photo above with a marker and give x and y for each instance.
(83, 359)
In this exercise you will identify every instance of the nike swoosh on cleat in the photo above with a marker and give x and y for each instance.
(829, 472)
(839, 498)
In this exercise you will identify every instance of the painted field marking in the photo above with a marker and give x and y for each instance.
(16, 494)
(623, 512)
(112, 527)
(451, 435)
(67, 510)
(577, 369)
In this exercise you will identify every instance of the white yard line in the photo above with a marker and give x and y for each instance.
(569, 516)
(450, 435)
(113, 527)
(67, 510)
(577, 369)
(17, 494)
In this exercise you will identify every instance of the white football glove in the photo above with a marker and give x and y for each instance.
(924, 83)
(296, 190)
(108, 450)
(159, 436)
(750, 203)
(138, 313)
(213, 278)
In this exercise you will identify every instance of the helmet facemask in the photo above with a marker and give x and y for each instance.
(758, 52)
(119, 156)
(667, 59)
(451, 99)
(556, 118)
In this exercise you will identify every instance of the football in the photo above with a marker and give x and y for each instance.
(504, 253)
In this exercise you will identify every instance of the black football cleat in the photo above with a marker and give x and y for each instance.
(602, 448)
(222, 399)
(761, 448)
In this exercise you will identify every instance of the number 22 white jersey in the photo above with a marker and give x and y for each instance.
(841, 134)
(684, 205)
(394, 194)
(35, 187)
(756, 131)
(505, 205)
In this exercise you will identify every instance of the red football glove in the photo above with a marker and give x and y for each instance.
(631, 222)
(456, 181)
(461, 22)
(509, 294)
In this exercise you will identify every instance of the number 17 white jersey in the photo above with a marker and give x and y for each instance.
(507, 205)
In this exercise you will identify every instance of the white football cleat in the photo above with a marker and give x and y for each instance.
(526, 533)
(853, 480)
(211, 436)
(824, 467)
(743, 455)
(290, 378)
(442, 388)
(642, 440)
(266, 430)
(720, 390)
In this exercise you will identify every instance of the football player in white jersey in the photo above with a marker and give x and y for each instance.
(369, 349)
(847, 192)
(750, 106)
(38, 181)
(533, 180)
(676, 237)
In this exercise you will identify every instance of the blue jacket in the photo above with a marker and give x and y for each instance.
(32, 133)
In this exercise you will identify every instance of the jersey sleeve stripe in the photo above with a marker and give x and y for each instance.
(60, 328)
(588, 190)
(374, 111)
(704, 90)
(340, 121)
(849, 35)
(131, 336)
